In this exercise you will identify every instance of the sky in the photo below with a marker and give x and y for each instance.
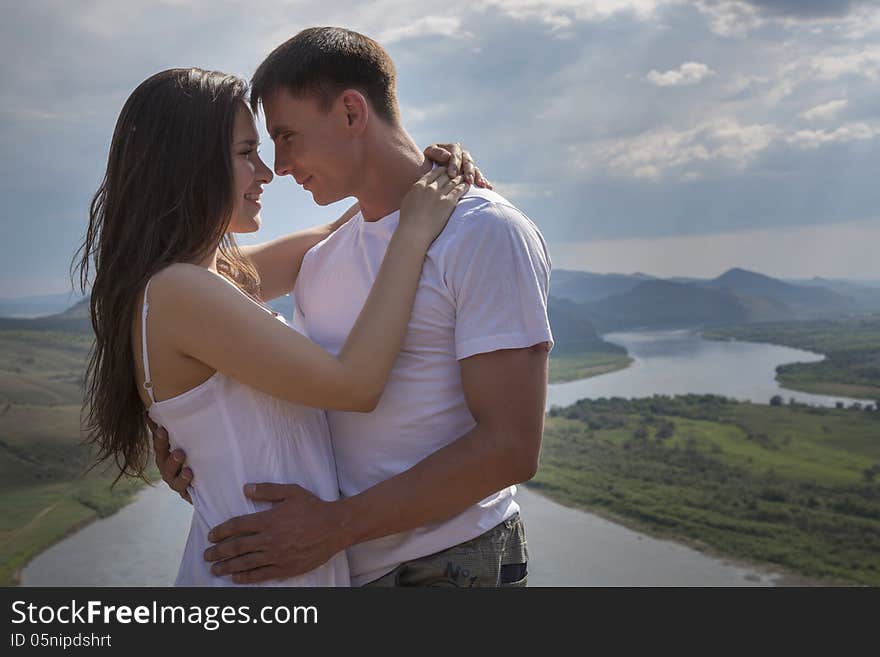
(661, 136)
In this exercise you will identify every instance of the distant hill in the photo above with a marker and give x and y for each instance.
(584, 286)
(572, 332)
(73, 320)
(664, 304)
(37, 306)
(802, 300)
(865, 293)
(629, 301)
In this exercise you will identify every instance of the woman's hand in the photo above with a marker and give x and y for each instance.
(429, 203)
(455, 158)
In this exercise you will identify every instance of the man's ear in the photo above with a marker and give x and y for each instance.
(356, 110)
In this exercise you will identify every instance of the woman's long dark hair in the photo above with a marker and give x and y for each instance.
(166, 197)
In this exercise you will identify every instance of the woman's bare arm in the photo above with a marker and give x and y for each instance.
(278, 262)
(205, 317)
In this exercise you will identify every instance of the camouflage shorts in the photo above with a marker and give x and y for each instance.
(497, 558)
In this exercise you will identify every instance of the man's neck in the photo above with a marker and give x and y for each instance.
(394, 163)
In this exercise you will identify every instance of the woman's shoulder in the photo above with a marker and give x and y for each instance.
(184, 286)
(180, 276)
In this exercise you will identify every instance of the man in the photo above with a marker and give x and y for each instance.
(427, 478)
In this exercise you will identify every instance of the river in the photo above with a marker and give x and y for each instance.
(141, 545)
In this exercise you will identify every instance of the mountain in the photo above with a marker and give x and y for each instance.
(73, 320)
(38, 306)
(666, 304)
(802, 300)
(865, 293)
(584, 286)
(572, 332)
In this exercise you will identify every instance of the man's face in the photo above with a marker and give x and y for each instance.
(313, 146)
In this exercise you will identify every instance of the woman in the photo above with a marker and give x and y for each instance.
(180, 325)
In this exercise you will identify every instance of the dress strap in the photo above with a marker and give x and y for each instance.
(148, 383)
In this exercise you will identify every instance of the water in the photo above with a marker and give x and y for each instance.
(681, 362)
(141, 545)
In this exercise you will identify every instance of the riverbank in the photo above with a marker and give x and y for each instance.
(36, 517)
(46, 492)
(572, 367)
(792, 487)
(851, 346)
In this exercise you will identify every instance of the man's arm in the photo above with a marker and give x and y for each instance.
(506, 393)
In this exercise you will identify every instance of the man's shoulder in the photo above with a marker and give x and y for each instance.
(485, 214)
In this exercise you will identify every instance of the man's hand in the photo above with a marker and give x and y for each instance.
(170, 463)
(299, 533)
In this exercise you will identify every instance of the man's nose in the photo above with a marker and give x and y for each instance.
(283, 166)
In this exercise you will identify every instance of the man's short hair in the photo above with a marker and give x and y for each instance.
(323, 62)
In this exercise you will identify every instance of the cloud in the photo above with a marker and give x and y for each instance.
(807, 9)
(825, 110)
(738, 18)
(446, 26)
(540, 91)
(687, 74)
(731, 18)
(809, 139)
(563, 13)
(864, 61)
(653, 153)
(725, 142)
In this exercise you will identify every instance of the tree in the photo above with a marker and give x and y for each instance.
(776, 400)
(666, 430)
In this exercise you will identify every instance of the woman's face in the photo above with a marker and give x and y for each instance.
(249, 174)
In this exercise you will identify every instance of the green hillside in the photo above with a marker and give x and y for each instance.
(45, 492)
(579, 352)
(793, 486)
(851, 346)
(613, 302)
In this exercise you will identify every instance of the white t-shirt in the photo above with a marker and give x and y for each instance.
(483, 287)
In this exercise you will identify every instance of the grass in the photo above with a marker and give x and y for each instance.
(851, 346)
(793, 486)
(36, 516)
(45, 492)
(571, 367)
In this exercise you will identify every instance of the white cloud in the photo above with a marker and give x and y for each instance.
(652, 153)
(741, 83)
(656, 153)
(864, 61)
(447, 26)
(730, 18)
(808, 139)
(687, 74)
(562, 13)
(825, 110)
